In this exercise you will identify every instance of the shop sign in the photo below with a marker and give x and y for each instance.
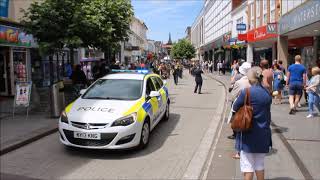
(4, 6)
(241, 27)
(242, 37)
(260, 34)
(272, 28)
(303, 15)
(23, 92)
(15, 37)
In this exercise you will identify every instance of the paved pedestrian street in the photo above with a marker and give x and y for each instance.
(172, 146)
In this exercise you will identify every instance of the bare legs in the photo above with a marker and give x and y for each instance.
(294, 100)
(249, 175)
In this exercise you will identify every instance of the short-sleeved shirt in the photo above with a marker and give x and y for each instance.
(296, 74)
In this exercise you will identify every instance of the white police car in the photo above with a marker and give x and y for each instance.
(118, 111)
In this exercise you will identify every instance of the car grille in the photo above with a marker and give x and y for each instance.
(106, 138)
(89, 125)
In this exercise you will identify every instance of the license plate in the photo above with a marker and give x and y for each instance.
(86, 135)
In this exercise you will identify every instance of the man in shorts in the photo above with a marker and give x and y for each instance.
(296, 81)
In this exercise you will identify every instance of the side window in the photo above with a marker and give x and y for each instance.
(160, 82)
(156, 83)
(150, 87)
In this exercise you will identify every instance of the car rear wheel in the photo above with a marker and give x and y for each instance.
(145, 134)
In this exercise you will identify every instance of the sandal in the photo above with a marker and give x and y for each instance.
(236, 156)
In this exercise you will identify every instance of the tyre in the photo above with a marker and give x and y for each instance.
(145, 135)
(166, 115)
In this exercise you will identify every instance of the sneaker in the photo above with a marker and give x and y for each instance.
(299, 105)
(310, 116)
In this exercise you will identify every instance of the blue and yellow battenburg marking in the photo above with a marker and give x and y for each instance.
(143, 108)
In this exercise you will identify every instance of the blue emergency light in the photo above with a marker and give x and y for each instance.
(142, 71)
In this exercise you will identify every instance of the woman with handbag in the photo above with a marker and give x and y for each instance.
(252, 121)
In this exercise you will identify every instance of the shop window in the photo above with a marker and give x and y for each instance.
(19, 63)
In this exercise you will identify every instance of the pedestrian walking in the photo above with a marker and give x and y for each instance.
(236, 90)
(219, 66)
(211, 66)
(254, 144)
(198, 78)
(79, 80)
(267, 75)
(313, 90)
(296, 81)
(278, 83)
(175, 74)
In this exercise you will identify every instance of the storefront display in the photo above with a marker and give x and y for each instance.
(15, 59)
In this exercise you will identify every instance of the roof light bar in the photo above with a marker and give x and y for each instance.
(142, 71)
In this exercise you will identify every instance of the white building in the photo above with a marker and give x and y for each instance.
(134, 49)
(197, 35)
(212, 31)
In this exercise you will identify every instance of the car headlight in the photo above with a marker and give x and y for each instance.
(64, 117)
(125, 121)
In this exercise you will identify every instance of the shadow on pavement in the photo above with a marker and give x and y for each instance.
(157, 138)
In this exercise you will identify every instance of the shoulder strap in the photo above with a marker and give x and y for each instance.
(247, 97)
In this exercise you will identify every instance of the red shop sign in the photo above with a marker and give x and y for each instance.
(242, 37)
(260, 34)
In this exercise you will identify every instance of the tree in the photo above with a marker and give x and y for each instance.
(183, 49)
(100, 24)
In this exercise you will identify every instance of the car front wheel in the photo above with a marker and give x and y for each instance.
(145, 134)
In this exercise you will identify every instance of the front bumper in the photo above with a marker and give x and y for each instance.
(120, 137)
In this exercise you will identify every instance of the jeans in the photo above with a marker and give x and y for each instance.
(313, 99)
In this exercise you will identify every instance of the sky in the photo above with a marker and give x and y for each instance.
(164, 16)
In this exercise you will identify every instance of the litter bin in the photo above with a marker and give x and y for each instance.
(57, 98)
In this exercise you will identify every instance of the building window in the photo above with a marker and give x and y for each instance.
(258, 8)
(272, 16)
(258, 22)
(265, 5)
(272, 4)
(265, 20)
(240, 20)
(252, 10)
(252, 24)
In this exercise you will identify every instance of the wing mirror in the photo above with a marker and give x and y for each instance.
(82, 91)
(154, 94)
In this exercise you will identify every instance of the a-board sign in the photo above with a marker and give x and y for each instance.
(23, 94)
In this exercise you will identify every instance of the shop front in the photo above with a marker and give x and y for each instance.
(219, 50)
(261, 43)
(300, 34)
(15, 58)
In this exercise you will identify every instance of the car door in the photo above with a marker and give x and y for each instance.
(161, 99)
(151, 105)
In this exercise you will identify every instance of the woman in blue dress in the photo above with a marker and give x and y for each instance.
(254, 144)
(278, 85)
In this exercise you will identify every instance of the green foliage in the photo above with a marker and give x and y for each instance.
(183, 50)
(98, 24)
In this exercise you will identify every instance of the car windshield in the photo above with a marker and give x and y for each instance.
(115, 89)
